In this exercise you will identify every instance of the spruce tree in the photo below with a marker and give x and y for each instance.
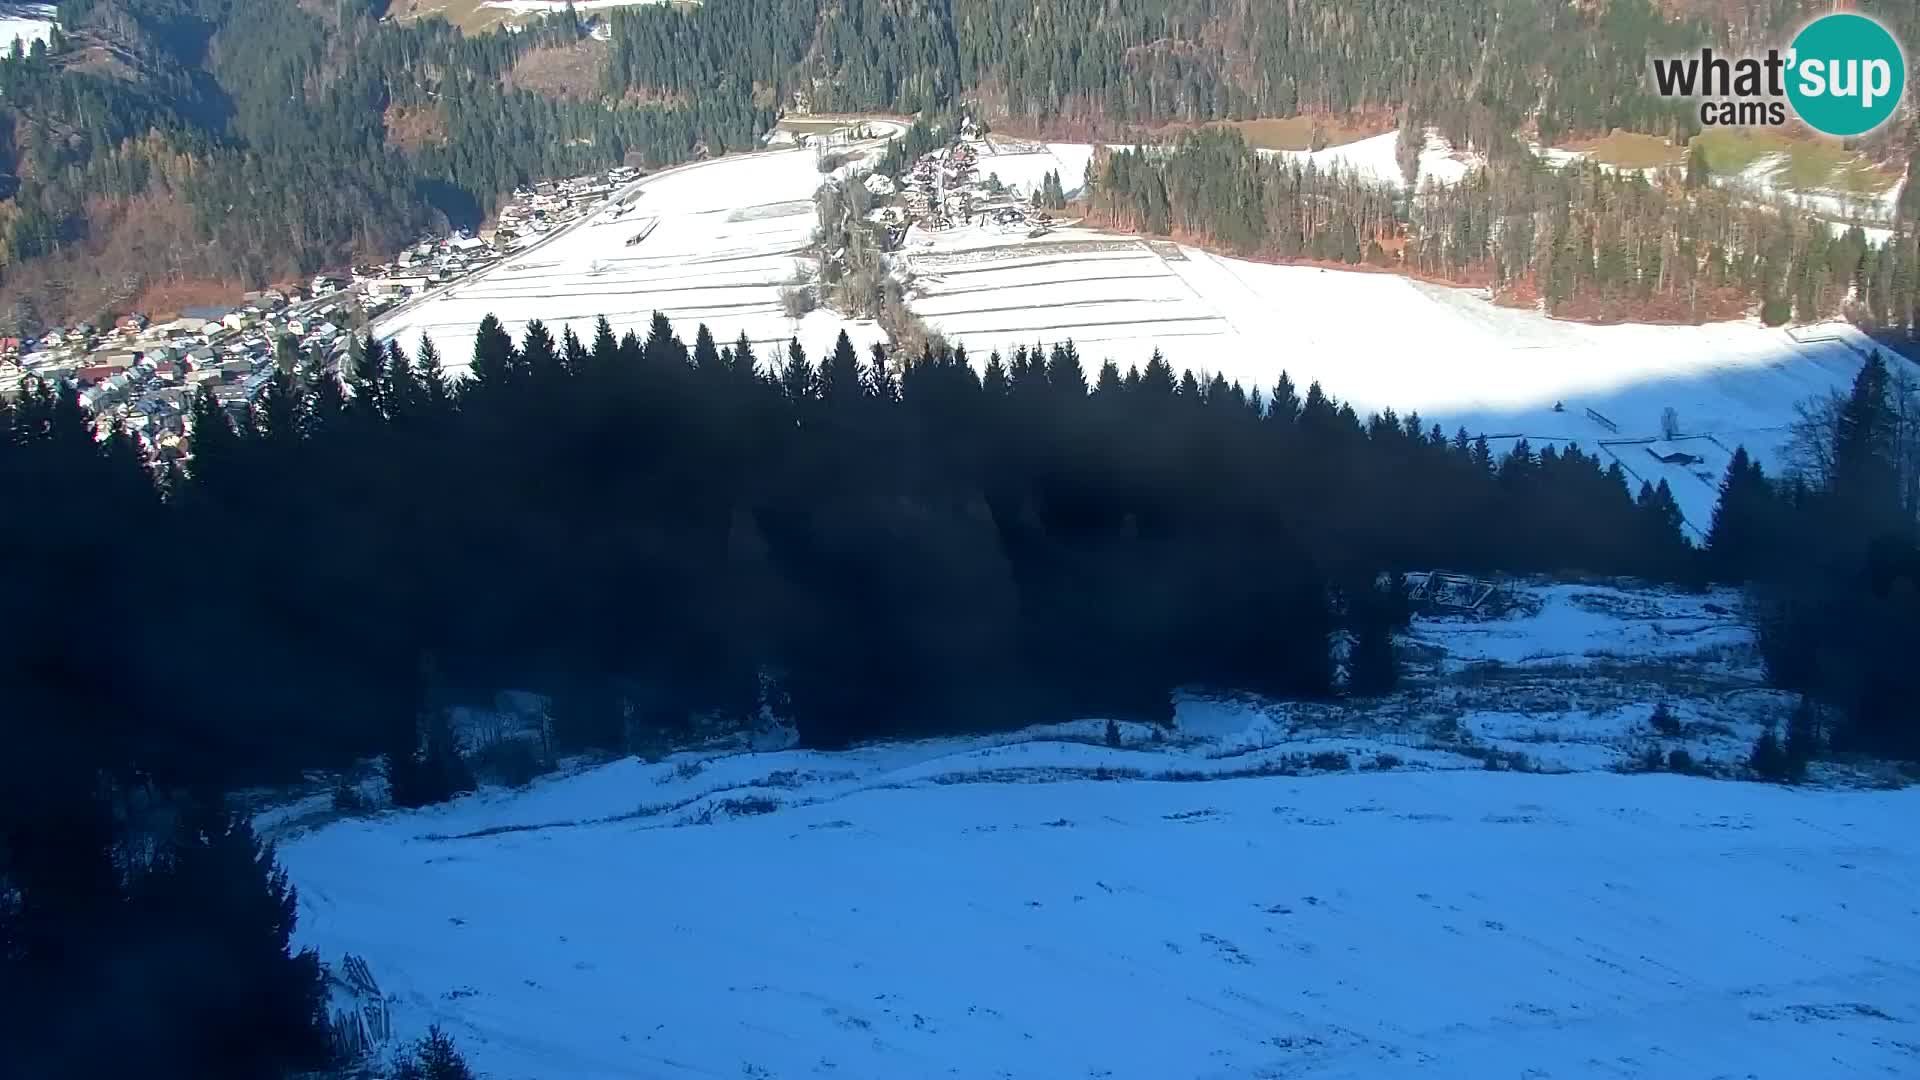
(367, 372)
(215, 892)
(213, 445)
(434, 1057)
(797, 377)
(994, 381)
(405, 397)
(840, 381)
(746, 366)
(706, 355)
(1064, 372)
(605, 350)
(1865, 485)
(495, 359)
(1744, 527)
(436, 392)
(539, 355)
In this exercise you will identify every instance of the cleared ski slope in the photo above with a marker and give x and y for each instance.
(993, 908)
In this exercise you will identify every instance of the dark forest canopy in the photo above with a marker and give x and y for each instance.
(870, 550)
(662, 536)
(295, 136)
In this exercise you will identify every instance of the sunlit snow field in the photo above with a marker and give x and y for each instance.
(725, 236)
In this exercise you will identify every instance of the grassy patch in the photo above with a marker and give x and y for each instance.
(563, 71)
(1296, 132)
(1632, 150)
(1805, 164)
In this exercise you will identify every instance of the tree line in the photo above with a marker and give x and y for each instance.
(1827, 551)
(1587, 241)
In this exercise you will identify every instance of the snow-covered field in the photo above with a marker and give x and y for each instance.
(26, 23)
(1373, 159)
(1211, 904)
(725, 236)
(1381, 341)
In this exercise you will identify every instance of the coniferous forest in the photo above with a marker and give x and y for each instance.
(161, 140)
(661, 536)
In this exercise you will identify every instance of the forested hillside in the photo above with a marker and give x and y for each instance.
(1590, 242)
(214, 140)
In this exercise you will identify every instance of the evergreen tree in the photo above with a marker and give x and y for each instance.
(605, 349)
(840, 380)
(215, 894)
(213, 444)
(539, 358)
(434, 1057)
(1865, 480)
(1745, 526)
(436, 391)
(796, 378)
(495, 360)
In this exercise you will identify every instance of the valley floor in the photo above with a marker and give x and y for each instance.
(1210, 903)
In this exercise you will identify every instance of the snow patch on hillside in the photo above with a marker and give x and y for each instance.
(25, 23)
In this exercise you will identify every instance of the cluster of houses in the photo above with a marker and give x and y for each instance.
(138, 374)
(550, 204)
(944, 189)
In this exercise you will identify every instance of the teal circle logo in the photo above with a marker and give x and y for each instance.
(1846, 75)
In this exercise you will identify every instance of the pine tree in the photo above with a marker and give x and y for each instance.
(663, 350)
(1866, 486)
(434, 1057)
(326, 400)
(881, 384)
(797, 377)
(405, 397)
(994, 381)
(746, 366)
(367, 373)
(540, 355)
(574, 360)
(840, 381)
(1064, 372)
(1745, 524)
(213, 444)
(706, 355)
(495, 360)
(605, 351)
(436, 392)
(1157, 380)
(215, 892)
